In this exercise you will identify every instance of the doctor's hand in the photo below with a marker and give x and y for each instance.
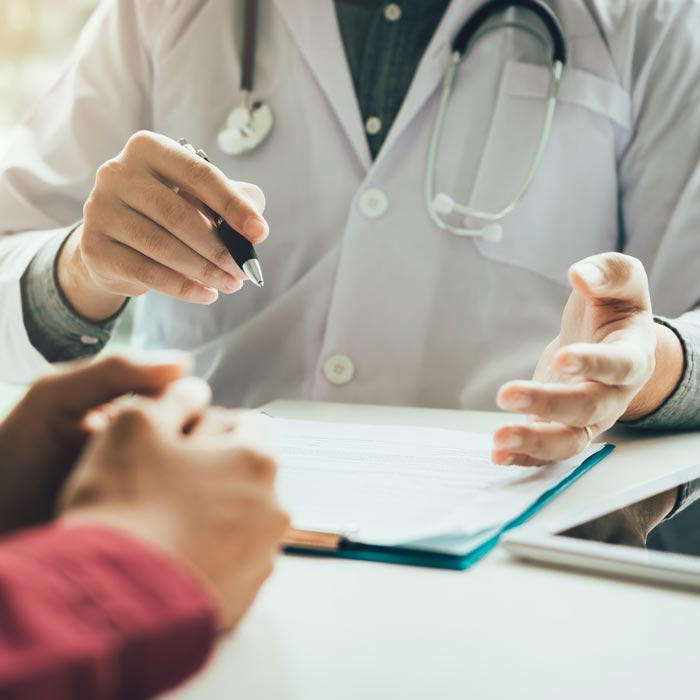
(610, 361)
(198, 487)
(41, 439)
(145, 228)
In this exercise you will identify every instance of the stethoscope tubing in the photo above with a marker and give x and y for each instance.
(246, 138)
(461, 46)
(471, 27)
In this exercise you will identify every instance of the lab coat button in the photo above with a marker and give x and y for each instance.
(373, 203)
(392, 12)
(373, 125)
(339, 369)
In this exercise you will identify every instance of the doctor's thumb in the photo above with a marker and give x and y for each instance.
(612, 276)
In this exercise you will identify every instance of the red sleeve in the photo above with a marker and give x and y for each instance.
(86, 612)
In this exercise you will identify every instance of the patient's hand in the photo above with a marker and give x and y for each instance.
(41, 439)
(195, 483)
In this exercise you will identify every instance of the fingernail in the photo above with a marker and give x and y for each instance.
(519, 402)
(209, 295)
(232, 270)
(511, 442)
(156, 358)
(572, 366)
(509, 460)
(96, 421)
(193, 386)
(592, 275)
(231, 284)
(254, 229)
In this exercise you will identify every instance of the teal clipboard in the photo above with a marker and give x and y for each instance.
(458, 562)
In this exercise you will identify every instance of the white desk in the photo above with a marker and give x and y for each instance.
(325, 629)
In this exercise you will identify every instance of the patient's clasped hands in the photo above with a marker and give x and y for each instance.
(193, 481)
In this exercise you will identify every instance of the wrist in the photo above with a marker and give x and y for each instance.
(668, 372)
(79, 288)
(142, 524)
(141, 562)
(156, 528)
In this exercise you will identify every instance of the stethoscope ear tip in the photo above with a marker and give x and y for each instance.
(443, 204)
(493, 233)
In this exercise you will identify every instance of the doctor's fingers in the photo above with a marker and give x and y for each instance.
(195, 175)
(175, 214)
(130, 273)
(147, 237)
(537, 443)
(615, 277)
(254, 194)
(581, 404)
(618, 363)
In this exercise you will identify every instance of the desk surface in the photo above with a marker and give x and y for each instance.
(327, 629)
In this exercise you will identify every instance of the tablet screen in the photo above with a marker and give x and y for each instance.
(647, 523)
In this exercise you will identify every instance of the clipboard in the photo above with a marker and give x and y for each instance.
(325, 543)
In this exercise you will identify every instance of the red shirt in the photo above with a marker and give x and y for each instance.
(88, 613)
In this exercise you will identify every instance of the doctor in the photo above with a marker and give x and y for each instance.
(369, 295)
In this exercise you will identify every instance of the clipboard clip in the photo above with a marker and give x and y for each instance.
(317, 539)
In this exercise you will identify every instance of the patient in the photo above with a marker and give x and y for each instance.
(168, 527)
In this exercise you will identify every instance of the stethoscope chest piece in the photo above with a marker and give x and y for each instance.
(246, 129)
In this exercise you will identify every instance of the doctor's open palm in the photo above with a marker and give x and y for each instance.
(145, 227)
(598, 370)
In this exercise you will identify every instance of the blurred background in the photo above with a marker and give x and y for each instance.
(36, 37)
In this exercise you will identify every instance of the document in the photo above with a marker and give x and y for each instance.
(391, 485)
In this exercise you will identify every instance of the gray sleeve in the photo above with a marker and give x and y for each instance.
(681, 411)
(55, 329)
(687, 495)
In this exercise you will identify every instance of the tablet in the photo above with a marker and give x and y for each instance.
(635, 542)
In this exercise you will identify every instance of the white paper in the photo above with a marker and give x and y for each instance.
(394, 484)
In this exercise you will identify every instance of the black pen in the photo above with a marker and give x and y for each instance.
(240, 248)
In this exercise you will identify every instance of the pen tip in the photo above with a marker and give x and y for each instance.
(253, 271)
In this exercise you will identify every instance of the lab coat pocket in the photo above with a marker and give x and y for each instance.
(571, 208)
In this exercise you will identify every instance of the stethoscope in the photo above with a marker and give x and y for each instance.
(249, 124)
(479, 223)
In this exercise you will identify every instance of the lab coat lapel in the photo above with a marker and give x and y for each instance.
(314, 27)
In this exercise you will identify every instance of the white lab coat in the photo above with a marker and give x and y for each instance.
(358, 306)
